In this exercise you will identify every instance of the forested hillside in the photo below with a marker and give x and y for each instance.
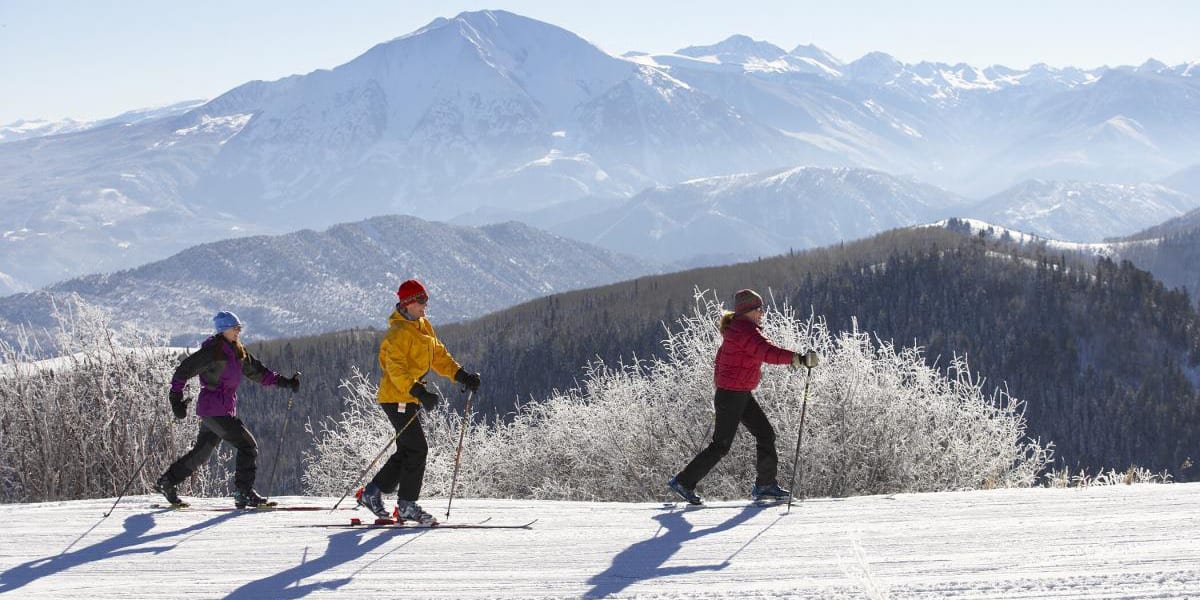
(1103, 355)
(1174, 258)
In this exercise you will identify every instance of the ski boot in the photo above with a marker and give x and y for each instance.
(249, 498)
(372, 498)
(769, 493)
(167, 488)
(684, 492)
(407, 510)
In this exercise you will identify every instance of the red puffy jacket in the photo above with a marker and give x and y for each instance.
(741, 355)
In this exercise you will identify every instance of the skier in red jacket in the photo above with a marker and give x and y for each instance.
(737, 373)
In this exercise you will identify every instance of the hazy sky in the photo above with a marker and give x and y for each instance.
(86, 59)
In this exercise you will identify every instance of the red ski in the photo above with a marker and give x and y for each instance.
(356, 523)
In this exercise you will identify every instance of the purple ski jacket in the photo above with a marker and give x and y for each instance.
(220, 368)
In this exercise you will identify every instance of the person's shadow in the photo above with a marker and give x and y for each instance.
(644, 559)
(342, 548)
(136, 529)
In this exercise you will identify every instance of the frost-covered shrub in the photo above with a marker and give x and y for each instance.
(1062, 478)
(79, 425)
(879, 420)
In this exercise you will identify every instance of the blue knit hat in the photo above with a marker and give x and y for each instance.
(224, 320)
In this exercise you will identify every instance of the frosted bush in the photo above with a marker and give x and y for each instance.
(79, 425)
(879, 420)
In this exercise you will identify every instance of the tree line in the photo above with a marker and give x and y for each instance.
(1103, 355)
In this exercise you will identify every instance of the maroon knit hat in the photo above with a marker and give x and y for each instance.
(745, 301)
(412, 291)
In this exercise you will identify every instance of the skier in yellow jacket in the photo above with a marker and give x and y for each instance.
(409, 352)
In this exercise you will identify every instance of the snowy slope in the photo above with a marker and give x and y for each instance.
(310, 282)
(32, 128)
(1121, 541)
(761, 214)
(1080, 211)
(497, 112)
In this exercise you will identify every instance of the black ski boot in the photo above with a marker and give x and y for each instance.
(769, 493)
(167, 488)
(372, 498)
(250, 498)
(684, 492)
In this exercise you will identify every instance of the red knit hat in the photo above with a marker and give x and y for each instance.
(745, 301)
(412, 291)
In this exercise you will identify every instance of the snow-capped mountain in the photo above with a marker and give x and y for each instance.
(491, 111)
(25, 129)
(310, 282)
(1082, 212)
(972, 130)
(719, 219)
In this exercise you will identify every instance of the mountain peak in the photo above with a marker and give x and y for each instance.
(812, 51)
(738, 49)
(1152, 66)
(875, 67)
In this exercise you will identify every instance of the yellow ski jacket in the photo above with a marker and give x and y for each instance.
(409, 351)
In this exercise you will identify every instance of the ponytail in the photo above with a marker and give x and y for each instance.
(726, 318)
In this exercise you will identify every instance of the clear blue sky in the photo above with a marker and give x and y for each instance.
(89, 59)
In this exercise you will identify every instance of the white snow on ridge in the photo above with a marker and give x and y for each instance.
(997, 231)
(1121, 541)
(230, 123)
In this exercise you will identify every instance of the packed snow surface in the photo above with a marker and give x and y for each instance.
(1120, 541)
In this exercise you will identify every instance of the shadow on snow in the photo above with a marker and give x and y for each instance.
(644, 560)
(137, 532)
(341, 548)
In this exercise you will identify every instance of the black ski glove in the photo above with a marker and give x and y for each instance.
(808, 359)
(179, 406)
(429, 400)
(469, 380)
(290, 383)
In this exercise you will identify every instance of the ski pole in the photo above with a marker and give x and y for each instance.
(799, 438)
(458, 453)
(127, 484)
(279, 446)
(376, 459)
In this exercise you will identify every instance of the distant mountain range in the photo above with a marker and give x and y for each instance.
(493, 112)
(346, 276)
(21, 130)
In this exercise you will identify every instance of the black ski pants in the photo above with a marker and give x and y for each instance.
(212, 431)
(733, 408)
(405, 469)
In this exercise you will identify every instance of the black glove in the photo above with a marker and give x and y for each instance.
(469, 380)
(179, 406)
(808, 359)
(429, 400)
(290, 383)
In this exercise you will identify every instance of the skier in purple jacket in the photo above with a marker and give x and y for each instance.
(221, 362)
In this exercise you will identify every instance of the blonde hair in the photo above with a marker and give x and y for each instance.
(727, 317)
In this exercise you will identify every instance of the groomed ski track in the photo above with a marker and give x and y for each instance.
(1138, 541)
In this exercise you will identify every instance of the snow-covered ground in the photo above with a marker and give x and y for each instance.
(1102, 542)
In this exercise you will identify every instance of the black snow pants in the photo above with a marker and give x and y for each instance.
(404, 471)
(212, 431)
(733, 408)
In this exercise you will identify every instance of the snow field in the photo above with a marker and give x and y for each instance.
(1138, 541)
